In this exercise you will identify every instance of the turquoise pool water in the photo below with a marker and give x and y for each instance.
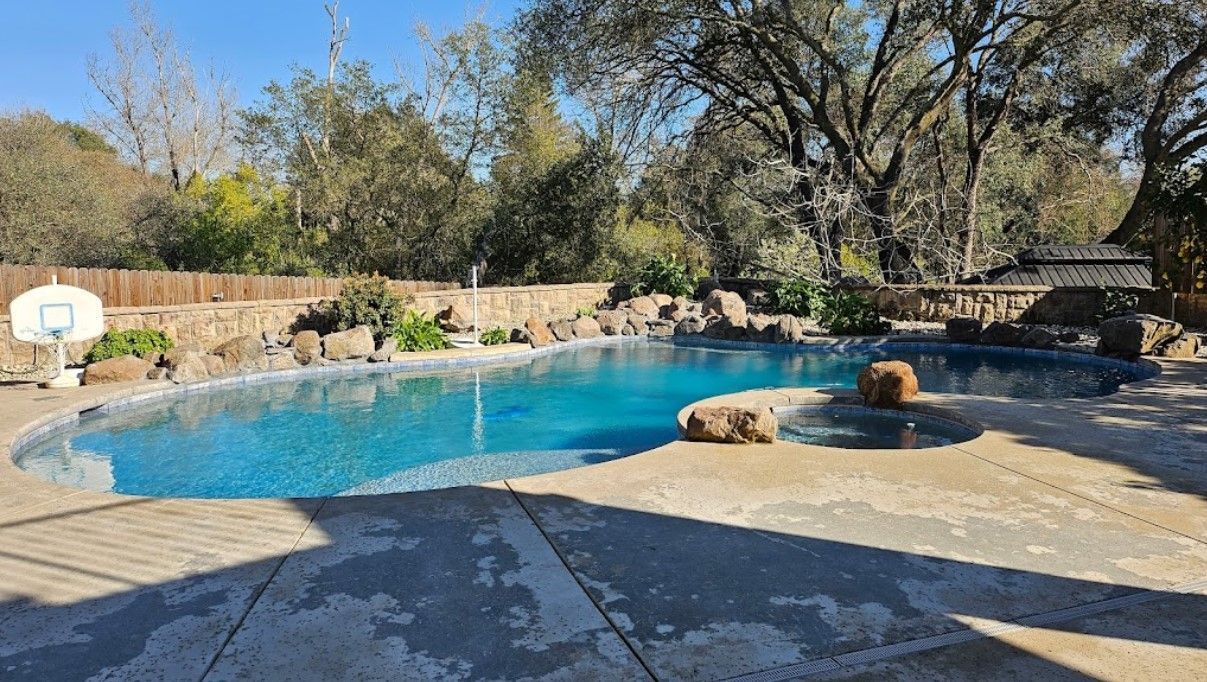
(376, 432)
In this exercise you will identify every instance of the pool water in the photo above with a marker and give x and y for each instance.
(376, 432)
(838, 426)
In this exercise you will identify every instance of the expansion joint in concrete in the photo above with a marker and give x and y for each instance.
(263, 587)
(587, 593)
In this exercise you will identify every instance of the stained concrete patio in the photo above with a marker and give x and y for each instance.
(1069, 541)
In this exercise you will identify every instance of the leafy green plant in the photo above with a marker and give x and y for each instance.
(118, 342)
(494, 336)
(850, 313)
(1114, 302)
(664, 275)
(801, 298)
(418, 332)
(584, 311)
(367, 300)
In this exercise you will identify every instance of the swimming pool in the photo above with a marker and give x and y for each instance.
(327, 434)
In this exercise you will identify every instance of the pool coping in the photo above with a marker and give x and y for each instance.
(135, 393)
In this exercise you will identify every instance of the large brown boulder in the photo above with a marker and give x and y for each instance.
(661, 328)
(242, 353)
(691, 324)
(732, 425)
(538, 333)
(1003, 334)
(964, 329)
(887, 384)
(307, 345)
(180, 354)
(611, 322)
(1184, 347)
(456, 318)
(1039, 338)
(643, 305)
(190, 369)
(116, 370)
(720, 327)
(789, 329)
(282, 361)
(563, 330)
(640, 323)
(728, 305)
(586, 328)
(388, 347)
(356, 342)
(677, 309)
(760, 327)
(1134, 335)
(214, 365)
(661, 300)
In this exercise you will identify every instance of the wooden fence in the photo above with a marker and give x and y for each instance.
(136, 288)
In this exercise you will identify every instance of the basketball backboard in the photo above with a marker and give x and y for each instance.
(56, 313)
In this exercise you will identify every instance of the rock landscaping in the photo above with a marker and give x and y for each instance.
(721, 315)
(890, 384)
(1130, 336)
(732, 425)
(1125, 337)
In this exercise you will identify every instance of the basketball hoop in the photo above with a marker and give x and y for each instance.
(56, 315)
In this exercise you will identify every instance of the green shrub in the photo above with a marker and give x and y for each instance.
(664, 275)
(367, 300)
(850, 313)
(585, 311)
(1114, 302)
(495, 336)
(116, 343)
(801, 298)
(418, 332)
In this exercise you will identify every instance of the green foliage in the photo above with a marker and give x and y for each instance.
(118, 342)
(584, 311)
(418, 332)
(66, 200)
(367, 300)
(1183, 200)
(376, 185)
(236, 222)
(851, 313)
(841, 312)
(801, 298)
(1113, 302)
(556, 196)
(495, 336)
(664, 275)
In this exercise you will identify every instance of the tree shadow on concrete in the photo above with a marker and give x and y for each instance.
(460, 583)
(1156, 428)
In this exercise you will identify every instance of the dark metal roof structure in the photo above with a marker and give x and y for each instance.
(1087, 265)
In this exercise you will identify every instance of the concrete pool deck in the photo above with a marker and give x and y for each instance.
(1068, 541)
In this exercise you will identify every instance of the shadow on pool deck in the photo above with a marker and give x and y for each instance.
(461, 583)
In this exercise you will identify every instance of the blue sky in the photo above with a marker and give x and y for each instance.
(47, 42)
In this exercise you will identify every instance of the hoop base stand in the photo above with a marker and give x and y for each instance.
(63, 379)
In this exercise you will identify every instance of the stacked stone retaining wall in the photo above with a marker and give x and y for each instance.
(215, 323)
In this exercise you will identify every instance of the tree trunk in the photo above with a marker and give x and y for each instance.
(970, 226)
(826, 235)
(1140, 211)
(896, 258)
